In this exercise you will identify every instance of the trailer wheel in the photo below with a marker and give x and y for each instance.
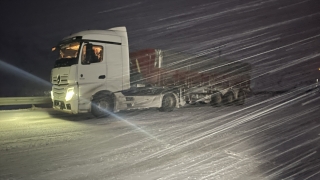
(241, 98)
(228, 99)
(168, 103)
(102, 105)
(216, 100)
(192, 103)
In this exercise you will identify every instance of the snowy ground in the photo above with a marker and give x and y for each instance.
(271, 137)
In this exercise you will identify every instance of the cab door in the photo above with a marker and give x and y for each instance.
(91, 72)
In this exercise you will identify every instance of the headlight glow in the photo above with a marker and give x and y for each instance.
(70, 93)
(51, 95)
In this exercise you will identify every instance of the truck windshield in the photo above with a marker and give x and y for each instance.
(66, 54)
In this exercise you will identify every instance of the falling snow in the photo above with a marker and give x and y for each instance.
(275, 135)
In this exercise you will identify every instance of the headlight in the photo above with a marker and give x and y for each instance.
(70, 93)
(51, 95)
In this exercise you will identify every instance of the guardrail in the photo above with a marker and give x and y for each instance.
(5, 101)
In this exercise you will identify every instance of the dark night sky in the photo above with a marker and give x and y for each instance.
(270, 34)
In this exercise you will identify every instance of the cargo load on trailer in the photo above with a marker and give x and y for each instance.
(198, 77)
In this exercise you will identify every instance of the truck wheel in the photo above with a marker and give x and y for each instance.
(241, 98)
(216, 100)
(168, 103)
(228, 99)
(102, 105)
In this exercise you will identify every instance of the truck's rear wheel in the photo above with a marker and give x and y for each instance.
(168, 103)
(216, 100)
(102, 105)
(228, 99)
(241, 98)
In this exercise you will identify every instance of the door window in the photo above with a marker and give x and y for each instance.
(97, 54)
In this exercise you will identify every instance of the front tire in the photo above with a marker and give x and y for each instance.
(168, 103)
(102, 105)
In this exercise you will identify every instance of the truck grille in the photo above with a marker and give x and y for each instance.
(60, 80)
(59, 92)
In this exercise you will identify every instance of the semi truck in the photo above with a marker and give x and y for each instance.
(94, 72)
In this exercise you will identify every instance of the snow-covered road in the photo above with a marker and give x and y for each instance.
(268, 138)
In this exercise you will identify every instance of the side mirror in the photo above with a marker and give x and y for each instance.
(89, 53)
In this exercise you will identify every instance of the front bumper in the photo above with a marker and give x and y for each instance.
(62, 101)
(68, 107)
